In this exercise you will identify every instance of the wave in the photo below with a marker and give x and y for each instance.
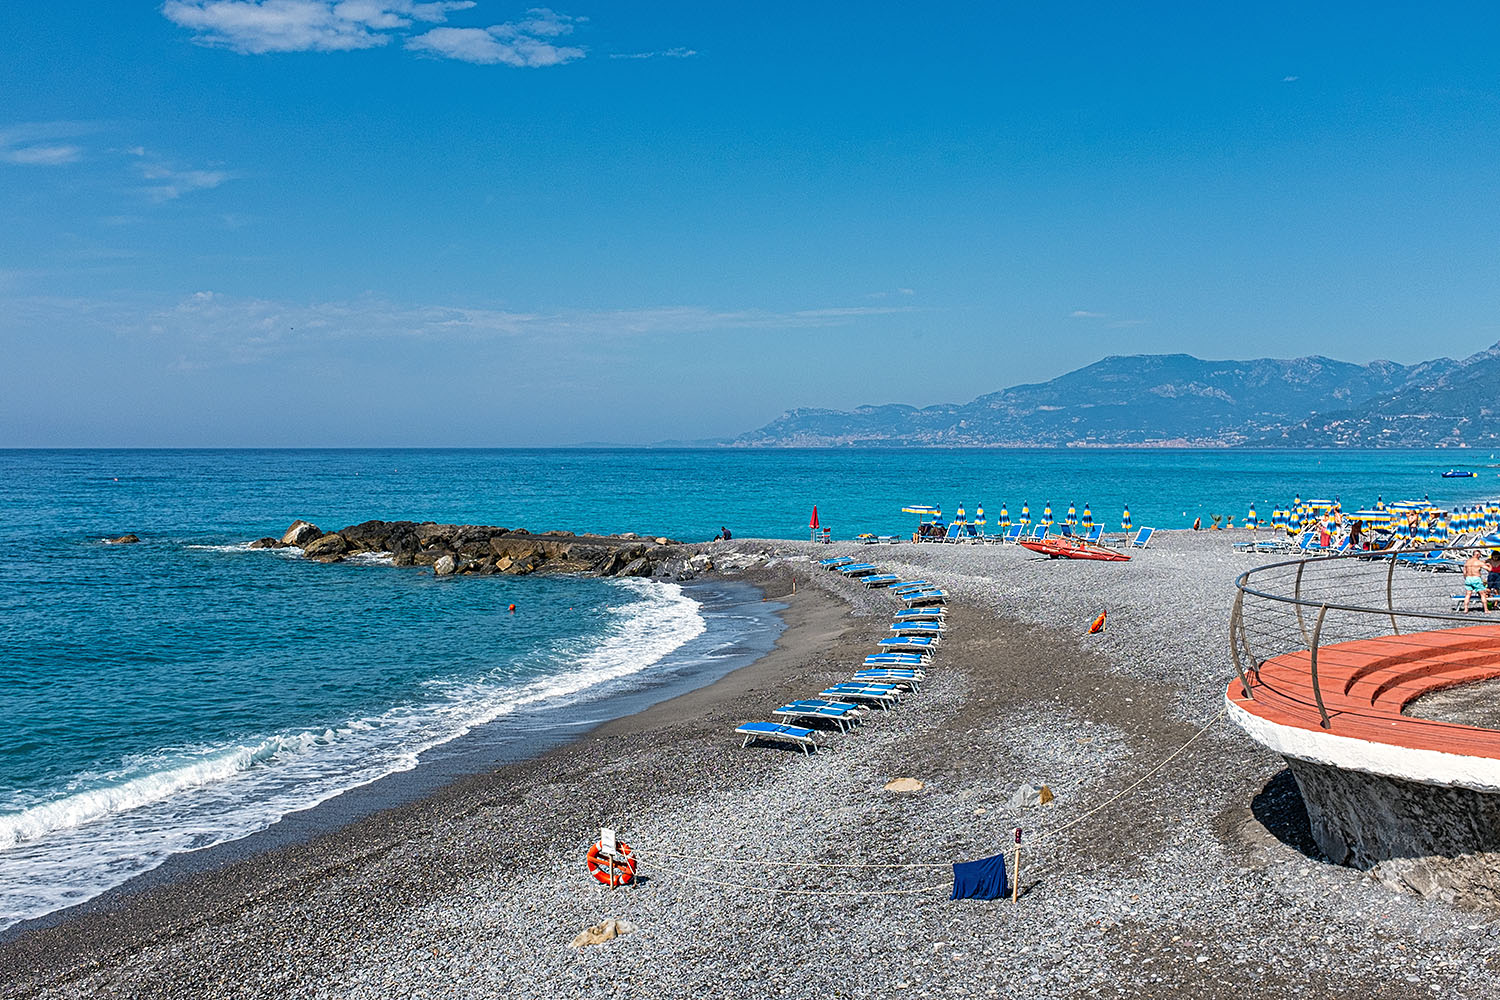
(105, 827)
(289, 550)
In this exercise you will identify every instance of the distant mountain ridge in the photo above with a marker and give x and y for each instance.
(1177, 400)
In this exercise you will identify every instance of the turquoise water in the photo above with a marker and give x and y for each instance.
(170, 695)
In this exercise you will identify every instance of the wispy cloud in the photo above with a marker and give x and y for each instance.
(1085, 314)
(528, 42)
(210, 329)
(1290, 79)
(42, 144)
(675, 53)
(256, 27)
(168, 183)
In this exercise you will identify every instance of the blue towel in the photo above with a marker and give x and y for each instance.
(984, 879)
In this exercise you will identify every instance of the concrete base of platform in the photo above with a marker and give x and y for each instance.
(1436, 840)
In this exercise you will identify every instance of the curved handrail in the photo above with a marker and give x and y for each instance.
(1300, 579)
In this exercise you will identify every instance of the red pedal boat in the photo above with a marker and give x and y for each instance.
(1072, 548)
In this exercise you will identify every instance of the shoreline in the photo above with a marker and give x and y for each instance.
(1196, 884)
(297, 846)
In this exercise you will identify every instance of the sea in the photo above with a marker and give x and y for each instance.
(186, 692)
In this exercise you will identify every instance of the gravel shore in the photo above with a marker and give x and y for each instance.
(1200, 882)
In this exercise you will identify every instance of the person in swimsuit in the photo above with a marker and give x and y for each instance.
(1474, 570)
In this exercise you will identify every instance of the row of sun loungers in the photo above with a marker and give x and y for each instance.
(883, 679)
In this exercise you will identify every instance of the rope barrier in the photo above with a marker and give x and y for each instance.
(643, 855)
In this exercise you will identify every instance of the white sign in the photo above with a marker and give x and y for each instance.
(607, 841)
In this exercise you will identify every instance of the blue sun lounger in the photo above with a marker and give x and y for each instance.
(836, 562)
(921, 614)
(917, 597)
(884, 695)
(908, 644)
(895, 660)
(1142, 538)
(843, 718)
(880, 580)
(910, 585)
(934, 629)
(776, 732)
(908, 678)
(858, 569)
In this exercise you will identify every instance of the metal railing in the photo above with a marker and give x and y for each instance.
(1309, 603)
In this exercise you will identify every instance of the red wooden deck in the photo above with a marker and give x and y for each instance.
(1366, 684)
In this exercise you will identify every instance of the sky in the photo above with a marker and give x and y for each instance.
(398, 223)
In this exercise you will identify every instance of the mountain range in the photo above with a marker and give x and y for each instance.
(1176, 400)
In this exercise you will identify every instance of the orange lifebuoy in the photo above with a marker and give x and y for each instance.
(617, 870)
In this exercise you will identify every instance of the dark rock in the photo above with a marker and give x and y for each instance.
(326, 548)
(122, 540)
(267, 543)
(300, 533)
(638, 567)
(403, 545)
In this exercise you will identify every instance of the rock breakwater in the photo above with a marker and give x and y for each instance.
(456, 549)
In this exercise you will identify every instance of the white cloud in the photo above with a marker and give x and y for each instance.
(210, 328)
(1085, 314)
(170, 183)
(259, 26)
(528, 42)
(675, 53)
(1290, 79)
(42, 144)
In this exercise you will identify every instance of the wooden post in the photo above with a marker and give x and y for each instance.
(1015, 881)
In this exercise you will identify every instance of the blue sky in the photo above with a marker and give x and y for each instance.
(383, 222)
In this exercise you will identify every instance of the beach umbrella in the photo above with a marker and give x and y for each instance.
(960, 517)
(1088, 516)
(922, 509)
(1047, 514)
(1125, 520)
(1004, 521)
(1250, 518)
(813, 524)
(1026, 513)
(1380, 503)
(979, 514)
(1438, 530)
(1072, 515)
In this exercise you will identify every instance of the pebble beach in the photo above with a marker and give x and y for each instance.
(1174, 861)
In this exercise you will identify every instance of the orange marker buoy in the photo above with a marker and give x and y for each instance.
(512, 609)
(1098, 625)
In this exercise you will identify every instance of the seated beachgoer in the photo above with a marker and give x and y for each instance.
(1474, 570)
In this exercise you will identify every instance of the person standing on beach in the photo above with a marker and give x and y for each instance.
(1474, 569)
(1492, 578)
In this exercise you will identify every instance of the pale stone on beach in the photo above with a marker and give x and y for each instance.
(904, 785)
(599, 933)
(444, 566)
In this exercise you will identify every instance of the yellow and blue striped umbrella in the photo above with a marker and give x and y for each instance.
(1004, 516)
(1088, 516)
(922, 509)
(1125, 520)
(1026, 513)
(1250, 521)
(960, 517)
(1047, 514)
(979, 514)
(1072, 515)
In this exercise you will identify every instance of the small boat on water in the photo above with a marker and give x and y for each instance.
(1459, 474)
(1073, 548)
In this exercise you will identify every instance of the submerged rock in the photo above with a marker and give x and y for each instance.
(267, 543)
(122, 540)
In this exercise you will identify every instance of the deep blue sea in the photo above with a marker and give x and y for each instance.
(171, 695)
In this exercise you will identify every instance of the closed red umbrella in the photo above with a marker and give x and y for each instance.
(814, 523)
